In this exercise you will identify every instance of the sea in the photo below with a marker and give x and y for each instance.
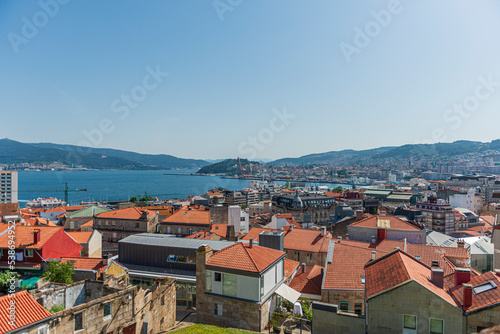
(122, 185)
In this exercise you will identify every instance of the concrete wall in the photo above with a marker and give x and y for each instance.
(365, 234)
(95, 245)
(385, 311)
(484, 319)
(327, 319)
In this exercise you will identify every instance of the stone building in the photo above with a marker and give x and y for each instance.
(238, 285)
(91, 307)
(186, 221)
(118, 224)
(315, 208)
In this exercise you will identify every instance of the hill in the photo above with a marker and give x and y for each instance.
(154, 160)
(228, 167)
(347, 157)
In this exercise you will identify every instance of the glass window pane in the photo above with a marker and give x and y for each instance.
(229, 285)
(437, 326)
(208, 281)
(410, 321)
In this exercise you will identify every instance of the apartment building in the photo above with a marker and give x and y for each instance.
(8, 186)
(438, 215)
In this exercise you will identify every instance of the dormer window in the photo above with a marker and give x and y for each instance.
(484, 287)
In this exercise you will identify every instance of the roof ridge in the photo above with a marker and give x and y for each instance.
(251, 257)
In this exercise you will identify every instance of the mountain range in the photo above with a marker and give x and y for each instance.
(95, 158)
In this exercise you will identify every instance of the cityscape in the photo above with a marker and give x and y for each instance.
(247, 167)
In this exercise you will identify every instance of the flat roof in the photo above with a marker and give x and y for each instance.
(168, 240)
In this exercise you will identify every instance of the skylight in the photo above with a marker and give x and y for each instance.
(484, 287)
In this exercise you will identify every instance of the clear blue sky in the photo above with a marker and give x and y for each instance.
(227, 77)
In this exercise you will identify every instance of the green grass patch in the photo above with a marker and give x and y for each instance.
(208, 329)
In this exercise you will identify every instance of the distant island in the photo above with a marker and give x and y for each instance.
(228, 167)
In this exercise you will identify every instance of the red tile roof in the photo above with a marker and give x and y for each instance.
(90, 223)
(86, 263)
(307, 240)
(189, 216)
(241, 257)
(25, 238)
(290, 266)
(128, 213)
(219, 229)
(9, 209)
(309, 281)
(27, 311)
(391, 222)
(479, 300)
(254, 233)
(202, 235)
(80, 237)
(397, 268)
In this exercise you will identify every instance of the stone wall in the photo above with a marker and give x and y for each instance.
(219, 214)
(483, 319)
(385, 311)
(352, 297)
(317, 258)
(327, 319)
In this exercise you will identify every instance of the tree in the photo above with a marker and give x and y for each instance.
(58, 272)
(338, 189)
(215, 200)
(5, 279)
(133, 199)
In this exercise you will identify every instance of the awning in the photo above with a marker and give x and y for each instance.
(288, 293)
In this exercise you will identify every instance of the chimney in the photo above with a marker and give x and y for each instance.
(467, 295)
(303, 267)
(497, 272)
(339, 239)
(145, 214)
(462, 275)
(374, 240)
(404, 245)
(359, 215)
(437, 276)
(36, 236)
(251, 243)
(460, 244)
(347, 236)
(323, 231)
(374, 255)
(230, 233)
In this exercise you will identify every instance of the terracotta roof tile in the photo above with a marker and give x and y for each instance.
(80, 237)
(219, 229)
(28, 311)
(290, 266)
(307, 240)
(479, 300)
(128, 213)
(241, 257)
(309, 281)
(189, 216)
(391, 222)
(24, 236)
(86, 263)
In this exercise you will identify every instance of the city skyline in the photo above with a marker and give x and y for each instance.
(201, 80)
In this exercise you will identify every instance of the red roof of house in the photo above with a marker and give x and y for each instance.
(27, 311)
(396, 268)
(25, 238)
(219, 229)
(86, 263)
(128, 213)
(80, 237)
(390, 222)
(189, 216)
(9, 209)
(39, 222)
(284, 215)
(309, 281)
(255, 232)
(307, 240)
(479, 300)
(241, 256)
(201, 235)
(290, 266)
(90, 223)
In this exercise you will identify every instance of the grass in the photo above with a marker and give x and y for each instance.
(208, 329)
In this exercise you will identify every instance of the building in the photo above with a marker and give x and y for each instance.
(464, 199)
(34, 246)
(72, 221)
(187, 220)
(238, 218)
(26, 316)
(86, 267)
(485, 183)
(90, 241)
(90, 307)
(438, 215)
(377, 228)
(238, 285)
(307, 281)
(8, 186)
(313, 208)
(9, 212)
(118, 224)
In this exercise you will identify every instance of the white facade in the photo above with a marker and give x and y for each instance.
(8, 187)
(238, 218)
(465, 200)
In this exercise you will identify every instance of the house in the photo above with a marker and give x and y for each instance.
(90, 241)
(307, 281)
(9, 210)
(377, 228)
(73, 221)
(238, 285)
(24, 316)
(118, 224)
(186, 221)
(280, 221)
(91, 307)
(86, 267)
(34, 246)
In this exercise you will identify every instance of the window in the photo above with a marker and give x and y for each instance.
(106, 223)
(261, 286)
(108, 310)
(208, 281)
(358, 308)
(137, 225)
(484, 287)
(344, 306)
(296, 256)
(43, 330)
(410, 321)
(113, 222)
(28, 253)
(1, 252)
(190, 231)
(217, 309)
(78, 321)
(309, 258)
(99, 222)
(71, 225)
(162, 300)
(217, 277)
(436, 326)
(229, 285)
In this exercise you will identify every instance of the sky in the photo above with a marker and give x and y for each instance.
(255, 79)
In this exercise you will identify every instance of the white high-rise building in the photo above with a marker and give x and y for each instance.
(8, 186)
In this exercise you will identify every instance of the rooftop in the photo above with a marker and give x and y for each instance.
(128, 213)
(189, 216)
(28, 311)
(388, 222)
